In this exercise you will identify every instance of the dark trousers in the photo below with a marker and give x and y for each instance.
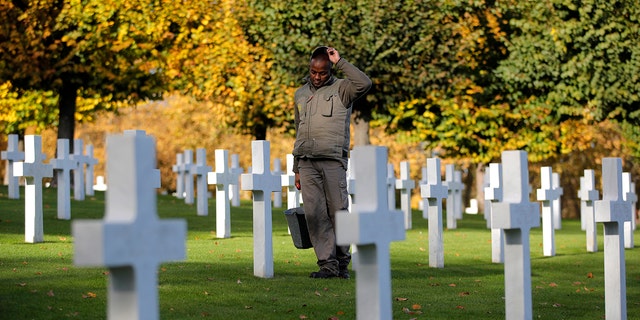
(324, 192)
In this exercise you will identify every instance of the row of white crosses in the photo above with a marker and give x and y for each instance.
(370, 226)
(33, 169)
(226, 180)
(515, 216)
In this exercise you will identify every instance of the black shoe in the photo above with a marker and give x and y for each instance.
(324, 273)
(344, 274)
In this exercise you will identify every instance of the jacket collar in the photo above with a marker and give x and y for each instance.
(329, 82)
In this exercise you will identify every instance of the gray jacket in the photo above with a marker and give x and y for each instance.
(322, 115)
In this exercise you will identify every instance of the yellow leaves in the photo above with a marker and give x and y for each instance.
(121, 45)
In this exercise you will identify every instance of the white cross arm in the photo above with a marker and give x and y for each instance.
(99, 244)
(612, 207)
(434, 188)
(515, 215)
(546, 191)
(433, 191)
(361, 228)
(24, 169)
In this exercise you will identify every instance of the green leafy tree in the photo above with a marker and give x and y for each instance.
(574, 61)
(105, 52)
(391, 41)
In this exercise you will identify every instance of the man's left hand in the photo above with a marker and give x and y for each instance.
(334, 55)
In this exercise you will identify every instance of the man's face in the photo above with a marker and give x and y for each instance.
(320, 72)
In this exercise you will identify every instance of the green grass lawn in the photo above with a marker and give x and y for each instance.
(216, 281)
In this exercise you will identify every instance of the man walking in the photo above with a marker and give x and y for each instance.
(321, 151)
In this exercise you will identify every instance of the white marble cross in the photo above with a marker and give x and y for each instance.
(261, 181)
(222, 178)
(493, 193)
(423, 204)
(288, 181)
(547, 194)
(178, 168)
(188, 176)
(12, 155)
(234, 189)
(588, 194)
(433, 192)
(457, 178)
(277, 171)
(455, 189)
(486, 183)
(78, 173)
(91, 162)
(131, 241)
(391, 186)
(33, 170)
(516, 215)
(613, 211)
(629, 195)
(156, 179)
(63, 165)
(200, 170)
(351, 181)
(557, 203)
(405, 184)
(371, 226)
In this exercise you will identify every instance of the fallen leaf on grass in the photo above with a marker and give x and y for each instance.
(402, 299)
(553, 284)
(22, 284)
(416, 306)
(460, 307)
(452, 285)
(464, 293)
(88, 295)
(589, 275)
(50, 293)
(407, 311)
(302, 316)
(317, 293)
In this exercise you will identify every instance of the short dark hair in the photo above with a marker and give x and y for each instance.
(321, 52)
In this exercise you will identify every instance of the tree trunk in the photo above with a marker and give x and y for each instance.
(67, 107)
(361, 119)
(260, 132)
